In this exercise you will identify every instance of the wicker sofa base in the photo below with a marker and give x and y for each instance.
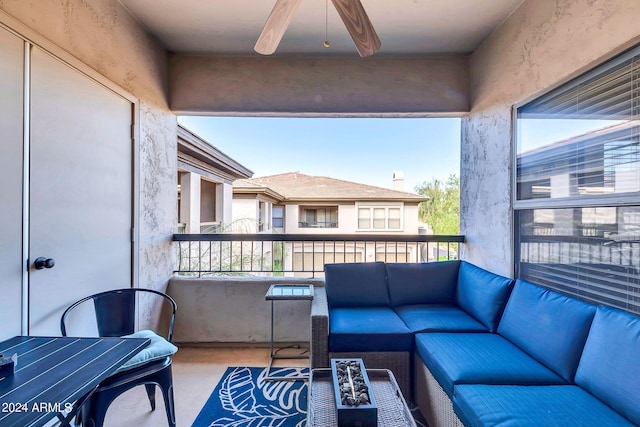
(398, 362)
(431, 399)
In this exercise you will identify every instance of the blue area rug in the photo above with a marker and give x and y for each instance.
(243, 399)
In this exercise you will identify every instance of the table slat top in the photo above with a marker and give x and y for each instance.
(57, 371)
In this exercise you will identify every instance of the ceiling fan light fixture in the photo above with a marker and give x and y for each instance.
(326, 24)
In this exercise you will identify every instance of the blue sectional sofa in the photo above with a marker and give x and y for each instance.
(473, 348)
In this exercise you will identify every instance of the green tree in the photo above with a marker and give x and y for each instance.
(442, 210)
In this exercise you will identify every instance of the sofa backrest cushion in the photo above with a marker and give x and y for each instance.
(482, 294)
(356, 284)
(610, 364)
(423, 283)
(549, 326)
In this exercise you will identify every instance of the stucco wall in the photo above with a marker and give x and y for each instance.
(245, 215)
(158, 202)
(544, 43)
(317, 85)
(102, 35)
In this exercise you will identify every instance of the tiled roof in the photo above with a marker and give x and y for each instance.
(247, 183)
(295, 186)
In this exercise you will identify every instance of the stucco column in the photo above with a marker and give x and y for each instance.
(224, 195)
(485, 189)
(190, 201)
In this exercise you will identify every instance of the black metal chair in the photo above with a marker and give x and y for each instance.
(115, 313)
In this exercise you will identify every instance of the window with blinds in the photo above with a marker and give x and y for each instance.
(577, 207)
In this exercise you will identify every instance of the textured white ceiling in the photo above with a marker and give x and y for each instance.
(405, 27)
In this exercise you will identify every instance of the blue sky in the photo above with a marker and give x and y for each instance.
(354, 149)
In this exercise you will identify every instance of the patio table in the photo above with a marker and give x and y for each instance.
(54, 375)
(392, 408)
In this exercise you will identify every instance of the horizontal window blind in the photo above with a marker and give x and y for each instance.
(581, 141)
(608, 92)
(598, 261)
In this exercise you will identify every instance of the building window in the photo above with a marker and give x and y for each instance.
(277, 214)
(377, 218)
(393, 222)
(364, 219)
(577, 207)
(318, 217)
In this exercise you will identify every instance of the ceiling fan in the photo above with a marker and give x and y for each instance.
(351, 11)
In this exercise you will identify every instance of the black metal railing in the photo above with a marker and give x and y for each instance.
(302, 254)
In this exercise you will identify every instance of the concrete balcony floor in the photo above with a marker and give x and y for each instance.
(196, 371)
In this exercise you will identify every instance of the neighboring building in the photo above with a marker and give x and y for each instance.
(205, 178)
(298, 203)
(295, 203)
(257, 208)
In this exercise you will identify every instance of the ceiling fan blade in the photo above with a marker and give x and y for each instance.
(275, 26)
(359, 26)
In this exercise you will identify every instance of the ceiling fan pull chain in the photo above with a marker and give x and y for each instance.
(326, 24)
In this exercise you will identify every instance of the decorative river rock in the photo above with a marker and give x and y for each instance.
(355, 403)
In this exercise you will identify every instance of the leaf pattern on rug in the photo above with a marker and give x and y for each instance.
(285, 393)
(238, 397)
(236, 394)
(256, 421)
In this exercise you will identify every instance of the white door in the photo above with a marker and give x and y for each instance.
(80, 190)
(11, 135)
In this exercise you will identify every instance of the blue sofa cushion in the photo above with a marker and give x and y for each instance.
(482, 294)
(367, 329)
(549, 326)
(610, 364)
(479, 359)
(438, 318)
(423, 283)
(532, 406)
(358, 284)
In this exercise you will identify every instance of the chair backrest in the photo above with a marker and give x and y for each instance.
(115, 311)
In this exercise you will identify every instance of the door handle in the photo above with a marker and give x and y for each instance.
(43, 262)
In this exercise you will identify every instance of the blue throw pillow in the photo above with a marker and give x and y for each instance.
(423, 283)
(158, 349)
(482, 294)
(356, 284)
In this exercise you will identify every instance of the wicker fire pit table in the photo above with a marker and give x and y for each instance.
(392, 408)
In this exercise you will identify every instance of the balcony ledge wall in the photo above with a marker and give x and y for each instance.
(232, 310)
(543, 44)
